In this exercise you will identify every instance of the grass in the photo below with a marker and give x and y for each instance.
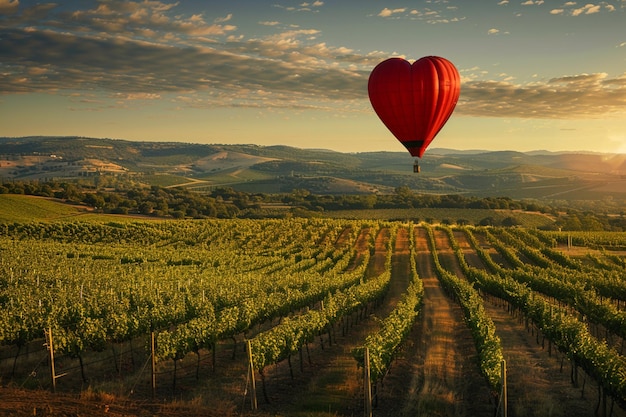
(235, 176)
(25, 208)
(22, 208)
(166, 180)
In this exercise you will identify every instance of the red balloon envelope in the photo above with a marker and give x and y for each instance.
(414, 100)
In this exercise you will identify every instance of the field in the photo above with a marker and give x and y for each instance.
(438, 308)
(22, 208)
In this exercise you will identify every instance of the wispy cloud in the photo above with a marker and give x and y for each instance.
(386, 12)
(306, 6)
(146, 50)
(570, 8)
(494, 31)
(567, 97)
(446, 14)
(155, 52)
(9, 6)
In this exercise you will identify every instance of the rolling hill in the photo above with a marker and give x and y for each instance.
(272, 169)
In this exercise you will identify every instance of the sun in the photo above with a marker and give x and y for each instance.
(620, 143)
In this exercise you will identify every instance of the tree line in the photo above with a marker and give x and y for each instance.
(226, 202)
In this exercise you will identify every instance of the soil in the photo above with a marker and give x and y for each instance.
(435, 373)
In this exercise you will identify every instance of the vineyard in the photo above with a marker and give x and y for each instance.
(309, 317)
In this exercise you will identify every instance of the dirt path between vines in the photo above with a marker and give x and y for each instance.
(436, 374)
(536, 385)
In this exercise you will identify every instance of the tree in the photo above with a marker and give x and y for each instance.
(487, 221)
(145, 207)
(572, 222)
(510, 221)
(94, 200)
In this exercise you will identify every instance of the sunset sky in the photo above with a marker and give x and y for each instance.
(534, 74)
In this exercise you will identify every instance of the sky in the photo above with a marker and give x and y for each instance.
(535, 74)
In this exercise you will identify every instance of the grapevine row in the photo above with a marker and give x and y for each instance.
(95, 293)
(205, 330)
(569, 334)
(483, 330)
(570, 288)
(607, 283)
(384, 343)
(291, 334)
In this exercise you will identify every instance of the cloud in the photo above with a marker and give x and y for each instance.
(494, 31)
(389, 12)
(27, 15)
(296, 71)
(447, 14)
(569, 9)
(302, 7)
(314, 4)
(147, 19)
(223, 19)
(138, 96)
(586, 9)
(569, 97)
(159, 54)
(9, 6)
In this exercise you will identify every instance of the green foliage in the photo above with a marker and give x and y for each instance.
(525, 286)
(483, 330)
(290, 335)
(198, 282)
(394, 329)
(113, 281)
(20, 208)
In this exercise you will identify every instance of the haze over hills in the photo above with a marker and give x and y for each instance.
(270, 169)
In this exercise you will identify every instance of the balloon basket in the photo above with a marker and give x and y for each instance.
(416, 167)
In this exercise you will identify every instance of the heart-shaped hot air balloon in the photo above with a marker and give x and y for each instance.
(414, 100)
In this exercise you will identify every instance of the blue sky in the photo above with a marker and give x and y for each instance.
(534, 74)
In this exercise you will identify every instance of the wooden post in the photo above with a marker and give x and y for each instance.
(367, 383)
(53, 376)
(504, 399)
(253, 401)
(153, 359)
(569, 241)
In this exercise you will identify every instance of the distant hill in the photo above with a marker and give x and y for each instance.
(539, 175)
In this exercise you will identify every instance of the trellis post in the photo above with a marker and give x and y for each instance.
(503, 396)
(367, 383)
(153, 360)
(53, 376)
(253, 400)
